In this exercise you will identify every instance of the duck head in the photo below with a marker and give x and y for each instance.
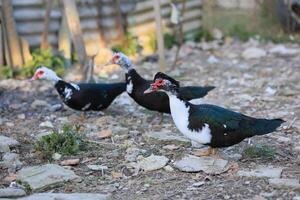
(44, 73)
(165, 83)
(122, 60)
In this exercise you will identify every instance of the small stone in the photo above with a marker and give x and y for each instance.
(46, 124)
(209, 165)
(55, 107)
(217, 34)
(46, 176)
(56, 156)
(167, 137)
(283, 51)
(70, 162)
(296, 198)
(66, 196)
(262, 171)
(171, 147)
(152, 162)
(9, 124)
(168, 168)
(212, 60)
(6, 143)
(284, 182)
(253, 53)
(283, 139)
(21, 116)
(132, 153)
(39, 103)
(270, 91)
(198, 184)
(11, 161)
(257, 197)
(97, 167)
(11, 193)
(105, 133)
(41, 134)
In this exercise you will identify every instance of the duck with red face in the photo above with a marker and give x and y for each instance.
(159, 101)
(209, 124)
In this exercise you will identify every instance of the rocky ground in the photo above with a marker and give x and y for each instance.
(130, 156)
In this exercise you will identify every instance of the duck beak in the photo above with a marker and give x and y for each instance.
(108, 63)
(151, 89)
(34, 78)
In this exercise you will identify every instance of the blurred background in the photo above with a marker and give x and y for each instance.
(65, 34)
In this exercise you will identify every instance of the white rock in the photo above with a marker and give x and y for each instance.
(46, 176)
(21, 116)
(11, 161)
(132, 154)
(283, 139)
(46, 124)
(270, 91)
(167, 136)
(262, 171)
(296, 198)
(283, 51)
(217, 34)
(198, 184)
(209, 165)
(212, 60)
(168, 168)
(55, 107)
(56, 156)
(284, 182)
(152, 162)
(6, 143)
(11, 193)
(97, 167)
(39, 103)
(64, 196)
(253, 53)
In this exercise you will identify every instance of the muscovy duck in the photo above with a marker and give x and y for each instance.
(209, 124)
(159, 101)
(82, 96)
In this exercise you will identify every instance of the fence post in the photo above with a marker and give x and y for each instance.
(159, 36)
(13, 42)
(73, 21)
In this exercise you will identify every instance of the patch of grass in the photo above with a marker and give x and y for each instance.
(25, 186)
(67, 142)
(203, 35)
(260, 151)
(169, 40)
(6, 72)
(42, 57)
(128, 47)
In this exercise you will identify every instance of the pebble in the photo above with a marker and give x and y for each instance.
(70, 162)
(11, 193)
(55, 107)
(284, 182)
(21, 116)
(44, 177)
(168, 168)
(253, 53)
(11, 161)
(56, 156)
(6, 143)
(39, 103)
(171, 147)
(46, 124)
(261, 171)
(97, 167)
(152, 162)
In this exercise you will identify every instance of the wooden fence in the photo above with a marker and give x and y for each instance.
(99, 20)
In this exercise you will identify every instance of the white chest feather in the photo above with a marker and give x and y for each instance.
(67, 93)
(129, 87)
(75, 86)
(180, 115)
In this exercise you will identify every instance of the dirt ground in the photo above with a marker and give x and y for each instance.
(261, 87)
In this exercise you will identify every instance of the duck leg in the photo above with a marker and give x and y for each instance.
(208, 152)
